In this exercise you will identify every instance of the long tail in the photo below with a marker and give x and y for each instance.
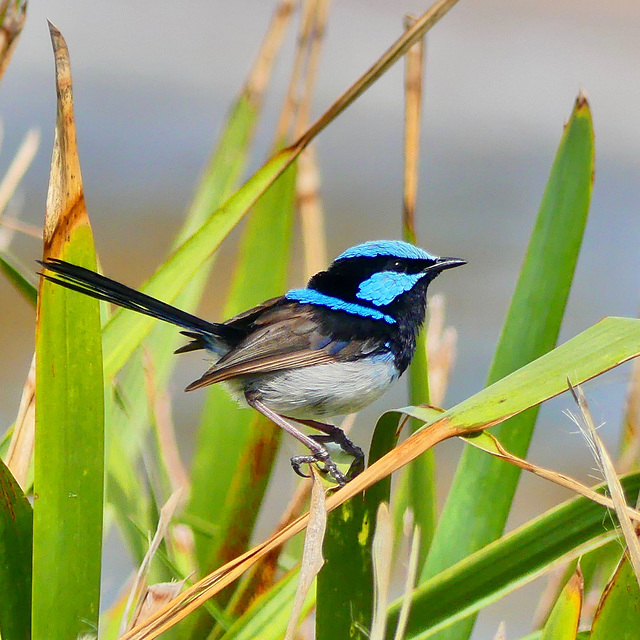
(95, 285)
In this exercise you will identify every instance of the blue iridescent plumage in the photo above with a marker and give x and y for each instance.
(385, 286)
(391, 248)
(311, 296)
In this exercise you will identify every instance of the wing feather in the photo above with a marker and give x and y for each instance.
(262, 365)
(280, 341)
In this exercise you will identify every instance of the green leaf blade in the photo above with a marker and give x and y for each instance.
(69, 456)
(619, 609)
(565, 615)
(530, 330)
(16, 538)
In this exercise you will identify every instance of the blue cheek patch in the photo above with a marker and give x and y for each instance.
(311, 296)
(385, 286)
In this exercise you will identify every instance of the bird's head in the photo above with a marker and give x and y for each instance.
(387, 277)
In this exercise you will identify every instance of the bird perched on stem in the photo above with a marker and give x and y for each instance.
(329, 349)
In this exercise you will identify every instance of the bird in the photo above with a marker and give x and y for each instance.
(325, 350)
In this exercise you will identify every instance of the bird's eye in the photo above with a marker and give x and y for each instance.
(397, 265)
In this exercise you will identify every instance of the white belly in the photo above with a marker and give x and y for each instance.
(321, 391)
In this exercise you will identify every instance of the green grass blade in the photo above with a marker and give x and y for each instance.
(68, 475)
(240, 440)
(16, 274)
(508, 563)
(69, 445)
(16, 528)
(565, 615)
(617, 613)
(530, 330)
(345, 584)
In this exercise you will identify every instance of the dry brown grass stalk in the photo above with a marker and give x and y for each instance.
(615, 488)
(414, 64)
(312, 558)
(388, 58)
(260, 73)
(138, 596)
(13, 14)
(309, 203)
(557, 478)
(20, 453)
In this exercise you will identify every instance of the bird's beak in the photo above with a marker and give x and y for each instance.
(446, 263)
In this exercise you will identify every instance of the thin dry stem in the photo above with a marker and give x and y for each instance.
(388, 58)
(291, 101)
(617, 494)
(311, 212)
(312, 558)
(20, 453)
(441, 350)
(15, 13)
(414, 63)
(557, 478)
(629, 453)
(18, 167)
(309, 202)
(160, 407)
(410, 582)
(136, 594)
(260, 73)
(13, 223)
(313, 49)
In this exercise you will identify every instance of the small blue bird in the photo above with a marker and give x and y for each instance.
(329, 349)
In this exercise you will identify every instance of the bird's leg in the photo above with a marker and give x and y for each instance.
(337, 436)
(318, 452)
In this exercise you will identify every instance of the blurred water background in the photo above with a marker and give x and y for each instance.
(153, 81)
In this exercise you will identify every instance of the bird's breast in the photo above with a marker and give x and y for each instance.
(323, 390)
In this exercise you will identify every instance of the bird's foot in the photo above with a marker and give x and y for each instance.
(321, 458)
(335, 436)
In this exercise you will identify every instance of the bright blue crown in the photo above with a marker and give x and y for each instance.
(391, 248)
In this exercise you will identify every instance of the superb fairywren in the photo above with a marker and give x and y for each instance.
(329, 349)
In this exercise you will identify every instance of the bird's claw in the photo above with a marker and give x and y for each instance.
(319, 458)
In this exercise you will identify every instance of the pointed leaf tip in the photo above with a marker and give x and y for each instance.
(582, 101)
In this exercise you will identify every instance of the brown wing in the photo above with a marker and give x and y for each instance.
(250, 315)
(284, 341)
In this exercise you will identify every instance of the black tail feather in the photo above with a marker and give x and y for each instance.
(97, 286)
